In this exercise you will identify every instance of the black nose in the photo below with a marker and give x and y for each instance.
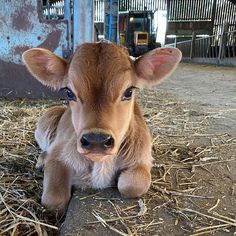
(97, 141)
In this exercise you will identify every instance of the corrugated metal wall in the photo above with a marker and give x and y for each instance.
(219, 11)
(225, 12)
(189, 10)
(141, 5)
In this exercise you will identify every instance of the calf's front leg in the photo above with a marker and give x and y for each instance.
(56, 185)
(135, 181)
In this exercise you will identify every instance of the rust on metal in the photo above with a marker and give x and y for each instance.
(20, 49)
(20, 18)
(51, 41)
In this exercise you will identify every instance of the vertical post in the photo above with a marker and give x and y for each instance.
(213, 14)
(48, 8)
(111, 19)
(192, 45)
(117, 24)
(67, 16)
(223, 41)
(175, 43)
(106, 18)
(83, 22)
(168, 14)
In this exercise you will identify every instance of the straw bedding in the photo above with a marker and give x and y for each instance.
(185, 152)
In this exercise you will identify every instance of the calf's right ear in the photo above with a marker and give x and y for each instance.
(46, 67)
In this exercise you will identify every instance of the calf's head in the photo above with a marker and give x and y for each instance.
(100, 80)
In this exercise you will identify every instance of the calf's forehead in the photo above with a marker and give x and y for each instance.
(96, 65)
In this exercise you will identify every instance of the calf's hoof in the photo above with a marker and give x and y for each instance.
(40, 163)
(39, 168)
(134, 185)
(55, 202)
(131, 191)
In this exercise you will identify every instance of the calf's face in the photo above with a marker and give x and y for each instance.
(100, 81)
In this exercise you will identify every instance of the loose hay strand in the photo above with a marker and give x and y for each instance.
(211, 229)
(230, 222)
(216, 205)
(105, 224)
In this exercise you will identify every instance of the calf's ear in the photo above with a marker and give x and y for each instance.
(156, 65)
(46, 67)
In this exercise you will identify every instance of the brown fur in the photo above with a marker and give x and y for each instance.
(98, 75)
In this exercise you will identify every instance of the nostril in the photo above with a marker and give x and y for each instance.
(84, 142)
(108, 142)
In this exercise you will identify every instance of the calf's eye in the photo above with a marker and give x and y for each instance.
(70, 95)
(128, 93)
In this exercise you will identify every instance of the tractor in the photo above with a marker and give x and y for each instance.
(136, 31)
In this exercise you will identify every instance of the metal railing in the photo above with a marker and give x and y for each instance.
(213, 49)
(55, 10)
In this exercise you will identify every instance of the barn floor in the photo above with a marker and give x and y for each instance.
(193, 119)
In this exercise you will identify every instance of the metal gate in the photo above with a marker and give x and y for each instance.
(24, 25)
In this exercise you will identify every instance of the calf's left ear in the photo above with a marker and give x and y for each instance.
(156, 65)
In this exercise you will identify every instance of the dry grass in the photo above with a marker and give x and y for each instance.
(20, 186)
(186, 154)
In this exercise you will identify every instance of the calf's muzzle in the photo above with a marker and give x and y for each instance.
(97, 141)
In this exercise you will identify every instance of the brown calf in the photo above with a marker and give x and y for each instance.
(101, 139)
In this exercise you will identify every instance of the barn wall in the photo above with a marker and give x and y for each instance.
(200, 16)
